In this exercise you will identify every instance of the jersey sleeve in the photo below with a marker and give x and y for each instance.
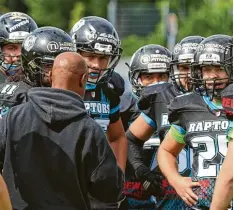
(177, 129)
(114, 108)
(118, 83)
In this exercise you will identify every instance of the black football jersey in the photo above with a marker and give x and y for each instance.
(204, 129)
(12, 94)
(102, 104)
(128, 109)
(154, 103)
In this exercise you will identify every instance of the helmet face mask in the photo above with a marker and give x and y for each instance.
(180, 75)
(149, 59)
(97, 36)
(182, 57)
(39, 50)
(209, 71)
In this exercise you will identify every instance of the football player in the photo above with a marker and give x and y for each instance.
(194, 122)
(14, 27)
(148, 68)
(223, 192)
(97, 41)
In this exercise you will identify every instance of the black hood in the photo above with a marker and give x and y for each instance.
(55, 105)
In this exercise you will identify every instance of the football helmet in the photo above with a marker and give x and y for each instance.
(97, 35)
(212, 51)
(183, 55)
(39, 50)
(150, 58)
(14, 27)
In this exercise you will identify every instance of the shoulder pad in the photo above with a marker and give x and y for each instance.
(187, 101)
(117, 83)
(159, 92)
(127, 100)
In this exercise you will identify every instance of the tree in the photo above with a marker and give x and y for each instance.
(208, 20)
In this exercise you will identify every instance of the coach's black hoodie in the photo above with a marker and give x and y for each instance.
(56, 156)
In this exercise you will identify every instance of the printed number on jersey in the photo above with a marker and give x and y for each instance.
(208, 148)
(9, 89)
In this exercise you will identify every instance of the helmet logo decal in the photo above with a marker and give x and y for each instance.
(177, 48)
(103, 47)
(18, 35)
(109, 38)
(210, 57)
(29, 42)
(78, 25)
(145, 59)
(13, 28)
(156, 66)
(52, 46)
(186, 57)
(91, 34)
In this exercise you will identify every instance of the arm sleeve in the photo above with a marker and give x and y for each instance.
(177, 133)
(106, 174)
(177, 129)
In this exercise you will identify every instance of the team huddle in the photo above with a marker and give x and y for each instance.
(160, 146)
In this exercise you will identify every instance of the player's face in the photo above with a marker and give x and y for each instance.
(184, 72)
(97, 63)
(46, 74)
(150, 78)
(211, 73)
(11, 53)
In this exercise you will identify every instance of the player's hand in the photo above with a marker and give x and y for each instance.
(183, 187)
(151, 181)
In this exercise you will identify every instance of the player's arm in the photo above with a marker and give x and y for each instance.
(4, 196)
(168, 151)
(118, 142)
(139, 132)
(223, 192)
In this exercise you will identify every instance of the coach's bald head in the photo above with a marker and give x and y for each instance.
(69, 72)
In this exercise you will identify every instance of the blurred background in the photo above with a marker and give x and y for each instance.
(138, 22)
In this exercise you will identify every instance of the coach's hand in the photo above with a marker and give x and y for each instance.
(151, 180)
(183, 187)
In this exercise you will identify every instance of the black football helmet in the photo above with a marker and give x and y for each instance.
(212, 51)
(14, 27)
(39, 50)
(97, 35)
(150, 58)
(183, 54)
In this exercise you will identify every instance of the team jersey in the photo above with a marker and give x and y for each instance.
(102, 104)
(12, 94)
(128, 109)
(154, 107)
(195, 123)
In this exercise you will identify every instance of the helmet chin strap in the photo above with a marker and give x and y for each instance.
(11, 69)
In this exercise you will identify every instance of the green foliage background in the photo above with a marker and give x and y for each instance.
(195, 17)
